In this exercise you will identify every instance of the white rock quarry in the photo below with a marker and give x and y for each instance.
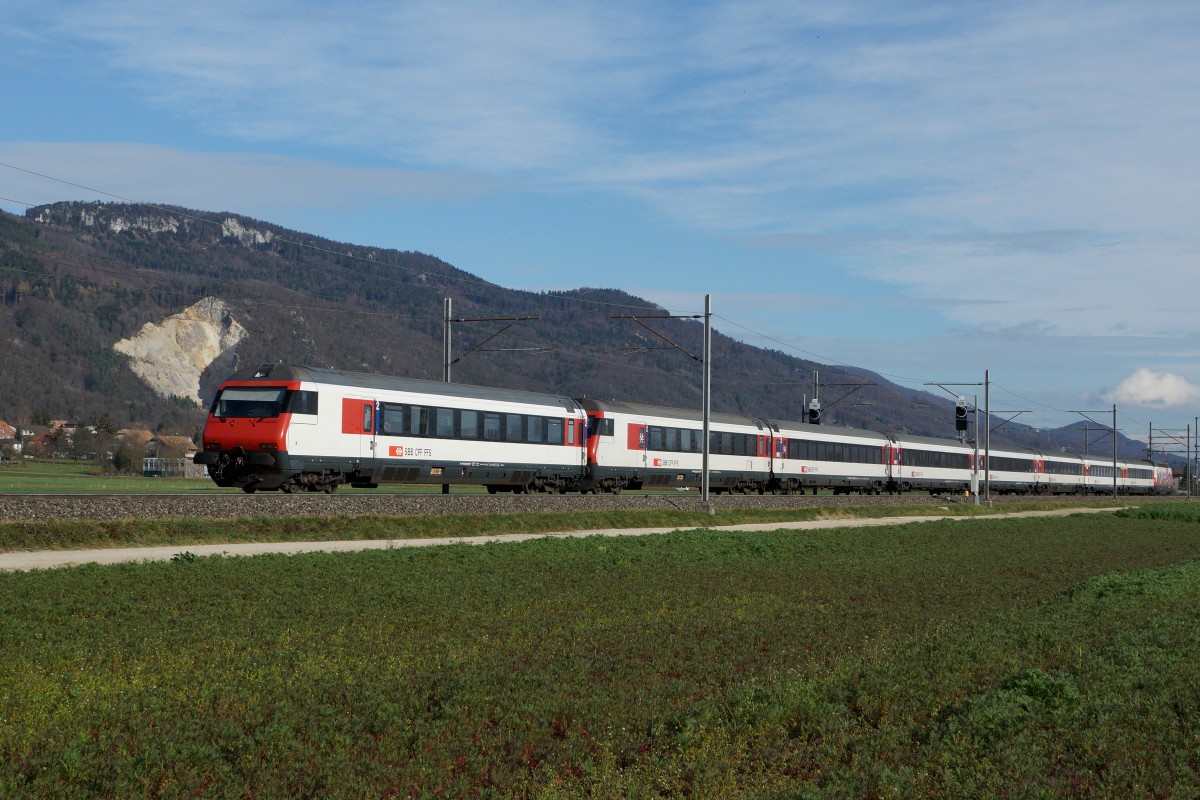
(170, 355)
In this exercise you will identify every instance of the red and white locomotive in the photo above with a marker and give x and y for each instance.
(302, 428)
(294, 428)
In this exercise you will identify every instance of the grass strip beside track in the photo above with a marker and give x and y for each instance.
(1032, 658)
(87, 534)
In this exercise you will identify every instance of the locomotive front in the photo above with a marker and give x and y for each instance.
(245, 436)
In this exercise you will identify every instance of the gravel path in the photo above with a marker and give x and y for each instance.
(48, 559)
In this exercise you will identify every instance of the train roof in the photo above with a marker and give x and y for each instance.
(905, 439)
(829, 430)
(275, 373)
(692, 415)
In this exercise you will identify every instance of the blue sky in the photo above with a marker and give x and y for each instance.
(925, 190)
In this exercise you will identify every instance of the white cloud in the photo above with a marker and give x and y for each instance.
(1036, 161)
(1155, 390)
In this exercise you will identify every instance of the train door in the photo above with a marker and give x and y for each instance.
(358, 420)
(639, 444)
(891, 462)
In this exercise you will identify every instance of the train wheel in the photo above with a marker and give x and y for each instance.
(289, 488)
(491, 488)
(329, 488)
(249, 489)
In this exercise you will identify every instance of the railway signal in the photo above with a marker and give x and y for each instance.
(960, 418)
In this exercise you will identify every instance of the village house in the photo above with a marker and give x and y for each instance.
(164, 446)
(8, 440)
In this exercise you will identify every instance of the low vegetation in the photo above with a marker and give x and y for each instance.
(1031, 658)
(87, 534)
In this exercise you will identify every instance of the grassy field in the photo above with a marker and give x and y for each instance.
(64, 476)
(989, 658)
(88, 534)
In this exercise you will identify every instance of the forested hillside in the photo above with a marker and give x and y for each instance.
(77, 277)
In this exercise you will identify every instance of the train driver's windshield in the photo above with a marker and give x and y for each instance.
(244, 401)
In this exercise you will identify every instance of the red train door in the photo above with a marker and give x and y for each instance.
(639, 443)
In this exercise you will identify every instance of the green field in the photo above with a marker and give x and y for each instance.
(988, 658)
(64, 476)
(89, 534)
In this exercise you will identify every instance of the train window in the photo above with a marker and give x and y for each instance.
(600, 427)
(368, 418)
(468, 424)
(444, 425)
(535, 430)
(656, 438)
(671, 440)
(491, 426)
(418, 421)
(301, 402)
(685, 441)
(392, 419)
(571, 431)
(514, 428)
(554, 431)
(239, 401)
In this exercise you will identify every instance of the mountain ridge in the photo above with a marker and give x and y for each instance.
(79, 277)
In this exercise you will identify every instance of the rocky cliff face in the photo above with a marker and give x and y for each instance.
(171, 355)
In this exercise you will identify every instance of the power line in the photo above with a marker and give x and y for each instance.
(824, 359)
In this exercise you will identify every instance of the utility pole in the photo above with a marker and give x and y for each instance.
(447, 322)
(447, 362)
(987, 437)
(706, 400)
(987, 428)
(1084, 414)
(975, 457)
(446, 342)
(446, 358)
(706, 382)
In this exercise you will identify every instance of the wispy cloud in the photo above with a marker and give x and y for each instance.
(151, 173)
(1039, 157)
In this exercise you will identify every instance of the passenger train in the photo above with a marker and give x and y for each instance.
(294, 428)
